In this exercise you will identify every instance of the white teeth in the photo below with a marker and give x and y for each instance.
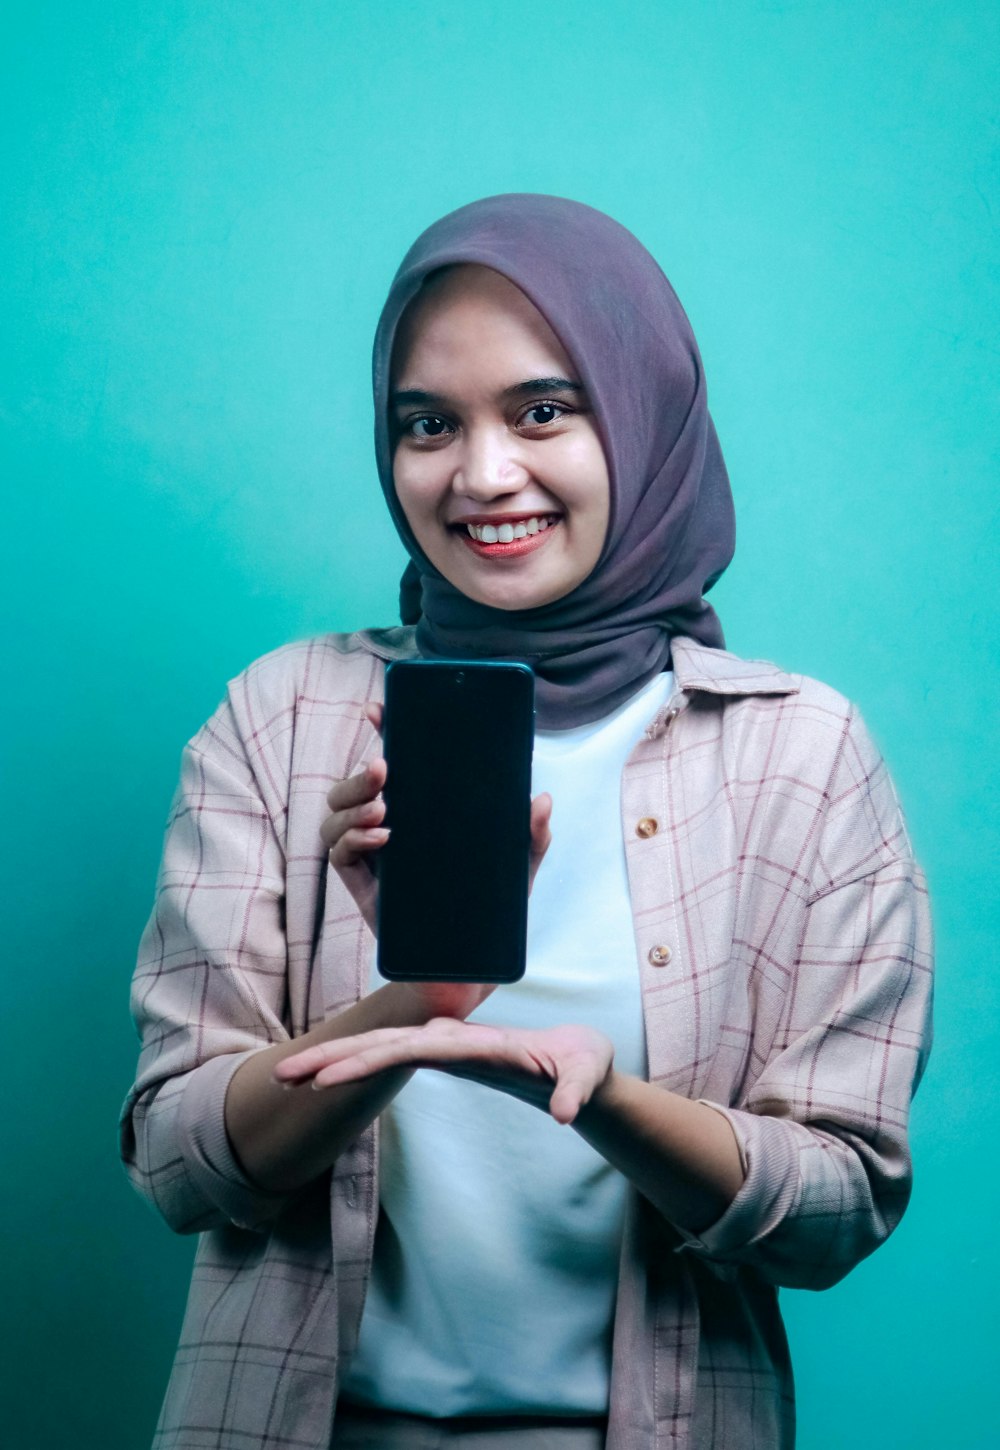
(507, 533)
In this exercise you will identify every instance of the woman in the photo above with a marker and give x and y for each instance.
(728, 977)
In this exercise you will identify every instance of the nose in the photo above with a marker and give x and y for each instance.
(488, 465)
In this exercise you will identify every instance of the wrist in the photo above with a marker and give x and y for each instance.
(421, 1002)
(607, 1098)
(404, 1005)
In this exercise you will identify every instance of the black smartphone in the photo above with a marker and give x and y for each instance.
(453, 875)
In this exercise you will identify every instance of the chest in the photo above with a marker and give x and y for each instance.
(692, 861)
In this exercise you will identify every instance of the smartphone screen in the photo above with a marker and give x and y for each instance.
(453, 875)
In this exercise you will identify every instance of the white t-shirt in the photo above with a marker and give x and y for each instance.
(496, 1256)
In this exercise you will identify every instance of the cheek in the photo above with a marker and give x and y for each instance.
(587, 485)
(414, 482)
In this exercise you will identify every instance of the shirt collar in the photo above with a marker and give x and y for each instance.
(696, 667)
(716, 671)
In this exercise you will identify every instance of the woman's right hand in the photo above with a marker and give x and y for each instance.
(353, 832)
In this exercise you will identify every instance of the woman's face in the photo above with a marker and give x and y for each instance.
(497, 462)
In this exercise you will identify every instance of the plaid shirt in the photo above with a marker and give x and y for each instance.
(783, 947)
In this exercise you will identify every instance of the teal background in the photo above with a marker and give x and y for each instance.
(202, 205)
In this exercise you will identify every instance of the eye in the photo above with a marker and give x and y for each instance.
(428, 425)
(539, 414)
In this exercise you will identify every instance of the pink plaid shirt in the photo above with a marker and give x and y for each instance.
(784, 953)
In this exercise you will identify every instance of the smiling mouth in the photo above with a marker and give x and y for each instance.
(509, 539)
(508, 530)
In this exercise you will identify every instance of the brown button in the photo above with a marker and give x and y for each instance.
(646, 827)
(659, 956)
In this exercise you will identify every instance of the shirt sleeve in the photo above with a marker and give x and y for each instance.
(208, 990)
(823, 1131)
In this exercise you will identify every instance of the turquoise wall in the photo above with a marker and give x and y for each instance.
(202, 206)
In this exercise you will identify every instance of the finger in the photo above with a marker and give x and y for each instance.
(364, 816)
(577, 1079)
(373, 714)
(541, 817)
(541, 834)
(440, 1043)
(567, 1100)
(363, 1064)
(338, 1049)
(302, 1065)
(356, 789)
(432, 1045)
(354, 846)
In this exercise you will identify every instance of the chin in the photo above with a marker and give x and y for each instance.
(510, 603)
(508, 594)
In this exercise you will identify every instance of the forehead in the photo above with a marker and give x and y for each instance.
(469, 312)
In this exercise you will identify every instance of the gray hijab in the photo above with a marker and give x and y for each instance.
(671, 531)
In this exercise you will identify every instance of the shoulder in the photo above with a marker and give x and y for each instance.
(757, 687)
(268, 707)
(327, 667)
(296, 713)
(794, 737)
(776, 715)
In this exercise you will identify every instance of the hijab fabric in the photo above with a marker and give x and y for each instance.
(671, 530)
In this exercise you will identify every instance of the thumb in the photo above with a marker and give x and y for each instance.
(541, 834)
(574, 1087)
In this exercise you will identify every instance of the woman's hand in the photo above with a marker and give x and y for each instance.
(558, 1069)
(353, 832)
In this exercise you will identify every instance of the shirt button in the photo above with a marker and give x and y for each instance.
(659, 956)
(647, 827)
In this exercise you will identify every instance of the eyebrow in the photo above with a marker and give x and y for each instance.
(543, 385)
(416, 397)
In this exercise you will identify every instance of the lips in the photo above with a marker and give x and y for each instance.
(504, 528)
(510, 538)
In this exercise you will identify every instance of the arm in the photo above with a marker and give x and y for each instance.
(811, 1171)
(283, 1140)
(206, 1134)
(823, 1127)
(200, 1137)
(209, 986)
(681, 1155)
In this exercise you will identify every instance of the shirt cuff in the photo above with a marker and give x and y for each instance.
(770, 1165)
(208, 1153)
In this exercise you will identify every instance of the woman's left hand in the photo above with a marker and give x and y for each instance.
(558, 1069)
